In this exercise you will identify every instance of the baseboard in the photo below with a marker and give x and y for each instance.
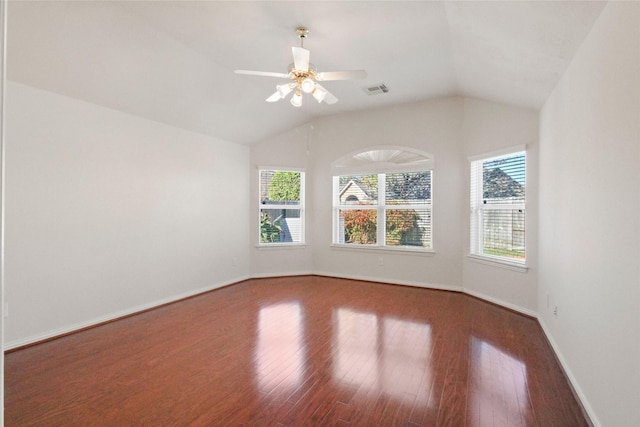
(77, 327)
(582, 398)
(426, 285)
(55, 333)
(496, 301)
(288, 274)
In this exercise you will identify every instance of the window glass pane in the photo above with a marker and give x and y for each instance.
(358, 189)
(408, 227)
(503, 180)
(279, 187)
(408, 188)
(357, 226)
(280, 226)
(503, 233)
(407, 209)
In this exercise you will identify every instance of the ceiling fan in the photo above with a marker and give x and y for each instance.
(305, 77)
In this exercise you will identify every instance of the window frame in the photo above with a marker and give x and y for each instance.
(478, 207)
(380, 207)
(300, 207)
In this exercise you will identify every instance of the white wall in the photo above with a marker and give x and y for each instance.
(589, 220)
(3, 62)
(490, 127)
(289, 150)
(109, 213)
(451, 129)
(432, 126)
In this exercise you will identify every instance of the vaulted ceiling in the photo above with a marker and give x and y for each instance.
(173, 61)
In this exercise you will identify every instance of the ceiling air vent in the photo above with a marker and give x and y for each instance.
(376, 89)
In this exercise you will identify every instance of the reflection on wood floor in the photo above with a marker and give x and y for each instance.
(298, 351)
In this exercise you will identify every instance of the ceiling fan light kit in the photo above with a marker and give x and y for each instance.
(296, 100)
(304, 76)
(307, 85)
(285, 89)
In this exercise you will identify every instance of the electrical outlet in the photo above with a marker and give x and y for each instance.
(380, 261)
(555, 311)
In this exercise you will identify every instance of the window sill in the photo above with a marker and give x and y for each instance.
(496, 262)
(405, 250)
(281, 245)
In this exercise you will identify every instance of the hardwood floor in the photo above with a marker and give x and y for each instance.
(298, 351)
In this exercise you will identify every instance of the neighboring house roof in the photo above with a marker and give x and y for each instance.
(365, 192)
(498, 184)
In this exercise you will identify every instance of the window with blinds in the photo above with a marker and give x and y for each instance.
(498, 187)
(383, 209)
(281, 207)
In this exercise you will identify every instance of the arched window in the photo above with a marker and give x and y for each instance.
(382, 198)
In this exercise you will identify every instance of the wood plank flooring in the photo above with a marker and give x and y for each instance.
(299, 351)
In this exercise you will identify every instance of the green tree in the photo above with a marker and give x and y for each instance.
(360, 226)
(269, 230)
(370, 181)
(400, 222)
(285, 186)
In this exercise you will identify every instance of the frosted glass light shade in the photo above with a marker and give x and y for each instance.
(307, 85)
(296, 100)
(284, 89)
(275, 97)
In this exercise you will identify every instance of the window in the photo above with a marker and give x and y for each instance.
(498, 207)
(281, 207)
(383, 209)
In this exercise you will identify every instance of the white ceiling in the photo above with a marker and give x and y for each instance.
(173, 61)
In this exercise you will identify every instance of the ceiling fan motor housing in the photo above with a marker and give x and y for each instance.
(302, 32)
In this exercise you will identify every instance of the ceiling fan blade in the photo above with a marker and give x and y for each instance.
(262, 73)
(330, 99)
(300, 58)
(322, 94)
(341, 75)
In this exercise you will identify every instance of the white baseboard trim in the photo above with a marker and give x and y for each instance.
(112, 316)
(572, 379)
(426, 285)
(502, 303)
(288, 274)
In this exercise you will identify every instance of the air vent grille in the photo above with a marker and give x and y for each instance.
(378, 89)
